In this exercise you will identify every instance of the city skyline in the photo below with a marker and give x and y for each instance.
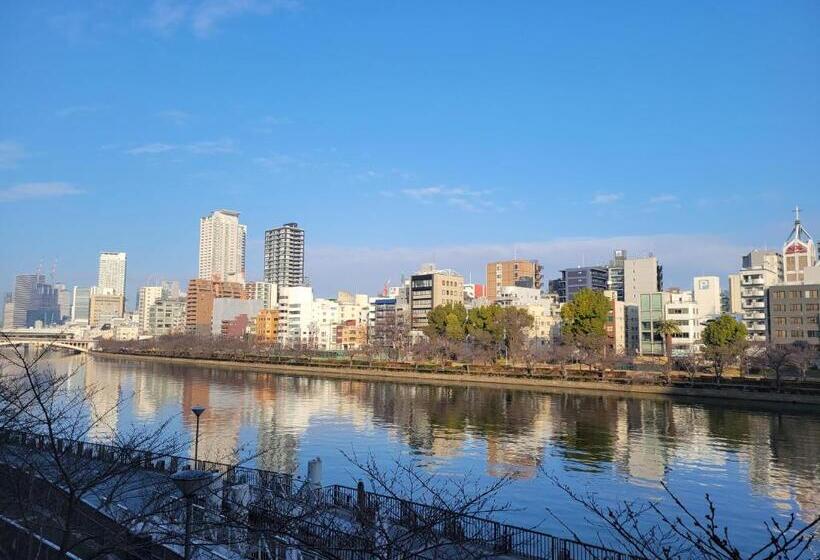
(558, 133)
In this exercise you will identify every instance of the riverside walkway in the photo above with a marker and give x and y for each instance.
(250, 513)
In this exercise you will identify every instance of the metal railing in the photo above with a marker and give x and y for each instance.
(452, 526)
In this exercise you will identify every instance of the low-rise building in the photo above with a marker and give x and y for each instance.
(267, 326)
(166, 317)
(794, 314)
(105, 307)
(350, 335)
(430, 288)
(761, 269)
(199, 303)
(228, 309)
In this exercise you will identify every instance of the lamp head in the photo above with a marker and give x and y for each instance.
(198, 410)
(190, 482)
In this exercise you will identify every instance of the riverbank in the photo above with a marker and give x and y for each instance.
(631, 385)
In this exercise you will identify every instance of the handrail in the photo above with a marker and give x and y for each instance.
(456, 526)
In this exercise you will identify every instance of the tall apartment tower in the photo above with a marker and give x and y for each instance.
(641, 276)
(761, 269)
(285, 256)
(111, 277)
(518, 272)
(799, 252)
(222, 247)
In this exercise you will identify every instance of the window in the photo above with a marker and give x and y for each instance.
(779, 294)
(797, 307)
(810, 294)
(780, 333)
(796, 334)
(779, 307)
(812, 307)
(795, 320)
(779, 320)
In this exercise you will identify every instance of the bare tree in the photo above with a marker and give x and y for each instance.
(804, 357)
(650, 530)
(775, 358)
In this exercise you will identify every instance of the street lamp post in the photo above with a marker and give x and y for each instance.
(198, 410)
(189, 483)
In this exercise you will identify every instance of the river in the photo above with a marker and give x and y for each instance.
(756, 461)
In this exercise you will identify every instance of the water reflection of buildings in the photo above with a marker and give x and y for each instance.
(102, 389)
(643, 439)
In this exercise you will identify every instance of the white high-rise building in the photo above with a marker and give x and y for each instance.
(641, 276)
(111, 277)
(148, 296)
(761, 269)
(285, 256)
(222, 247)
(707, 296)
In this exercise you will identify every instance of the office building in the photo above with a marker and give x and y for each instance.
(105, 308)
(799, 252)
(8, 310)
(641, 276)
(222, 247)
(199, 302)
(615, 270)
(34, 301)
(166, 317)
(170, 289)
(794, 314)
(706, 293)
(228, 309)
(350, 335)
(430, 288)
(761, 269)
(650, 315)
(543, 308)
(295, 316)
(81, 304)
(284, 260)
(518, 272)
(267, 326)
(734, 305)
(146, 297)
(573, 280)
(615, 327)
(265, 292)
(111, 276)
(684, 310)
(63, 302)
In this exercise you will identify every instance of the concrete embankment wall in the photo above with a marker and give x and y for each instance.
(497, 380)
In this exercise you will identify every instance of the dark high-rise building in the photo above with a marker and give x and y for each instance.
(616, 273)
(34, 300)
(285, 256)
(576, 279)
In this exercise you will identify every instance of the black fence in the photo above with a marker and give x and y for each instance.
(445, 525)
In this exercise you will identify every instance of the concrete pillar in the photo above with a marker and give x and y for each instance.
(315, 473)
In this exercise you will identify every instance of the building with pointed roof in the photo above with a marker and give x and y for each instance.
(799, 252)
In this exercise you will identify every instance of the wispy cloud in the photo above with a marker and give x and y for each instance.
(606, 198)
(10, 154)
(76, 110)
(204, 16)
(463, 198)
(280, 162)
(664, 199)
(175, 116)
(196, 148)
(681, 255)
(26, 191)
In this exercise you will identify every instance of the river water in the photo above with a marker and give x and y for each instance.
(756, 461)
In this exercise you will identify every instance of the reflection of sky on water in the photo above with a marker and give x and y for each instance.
(756, 461)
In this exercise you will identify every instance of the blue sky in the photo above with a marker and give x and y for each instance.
(403, 132)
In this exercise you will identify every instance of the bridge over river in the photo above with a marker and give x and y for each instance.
(248, 513)
(53, 338)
